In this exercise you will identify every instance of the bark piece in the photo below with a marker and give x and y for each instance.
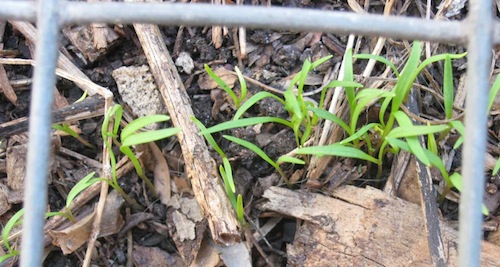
(362, 227)
(16, 163)
(82, 37)
(88, 108)
(6, 87)
(200, 167)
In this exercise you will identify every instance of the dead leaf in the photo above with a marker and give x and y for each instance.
(161, 174)
(4, 199)
(236, 255)
(73, 237)
(208, 256)
(207, 83)
(153, 256)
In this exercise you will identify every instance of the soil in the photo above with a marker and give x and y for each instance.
(273, 58)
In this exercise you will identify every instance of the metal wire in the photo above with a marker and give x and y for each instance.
(35, 184)
(480, 32)
(279, 18)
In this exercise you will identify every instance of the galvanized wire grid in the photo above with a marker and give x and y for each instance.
(478, 31)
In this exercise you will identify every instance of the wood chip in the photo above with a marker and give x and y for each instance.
(362, 226)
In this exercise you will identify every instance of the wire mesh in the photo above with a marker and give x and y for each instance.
(478, 31)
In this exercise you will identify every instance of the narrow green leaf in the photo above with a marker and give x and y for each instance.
(448, 88)
(65, 128)
(497, 167)
(461, 130)
(493, 92)
(80, 186)
(358, 134)
(117, 112)
(244, 122)
(319, 62)
(336, 150)
(229, 174)
(252, 101)
(456, 179)
(334, 84)
(436, 58)
(13, 221)
(209, 137)
(432, 144)
(326, 115)
(252, 147)
(9, 255)
(140, 123)
(349, 77)
(146, 137)
(407, 76)
(383, 109)
(240, 211)
(230, 194)
(222, 84)
(415, 146)
(289, 159)
(84, 95)
(243, 85)
(368, 96)
(379, 59)
(409, 131)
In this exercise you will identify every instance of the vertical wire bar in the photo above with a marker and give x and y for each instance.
(35, 183)
(480, 32)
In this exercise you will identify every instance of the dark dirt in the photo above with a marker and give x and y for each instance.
(273, 57)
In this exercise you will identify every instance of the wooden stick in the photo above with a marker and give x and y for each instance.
(200, 167)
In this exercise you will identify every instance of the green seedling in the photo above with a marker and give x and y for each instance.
(129, 137)
(13, 221)
(83, 184)
(226, 172)
(64, 127)
(223, 85)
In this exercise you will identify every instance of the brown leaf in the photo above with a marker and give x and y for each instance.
(161, 173)
(207, 83)
(74, 236)
(153, 256)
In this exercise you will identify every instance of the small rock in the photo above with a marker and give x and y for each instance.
(138, 89)
(185, 62)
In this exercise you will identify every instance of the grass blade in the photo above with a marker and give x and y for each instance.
(230, 195)
(358, 134)
(408, 75)
(243, 85)
(209, 137)
(379, 59)
(252, 101)
(349, 77)
(222, 84)
(252, 147)
(146, 137)
(326, 115)
(240, 211)
(244, 122)
(493, 92)
(289, 159)
(336, 150)
(229, 174)
(140, 123)
(13, 221)
(448, 88)
(410, 131)
(461, 130)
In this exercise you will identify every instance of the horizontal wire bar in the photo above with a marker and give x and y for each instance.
(279, 18)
